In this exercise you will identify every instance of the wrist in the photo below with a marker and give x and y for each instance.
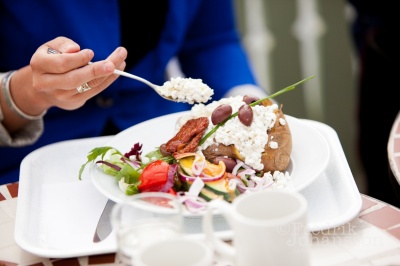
(8, 98)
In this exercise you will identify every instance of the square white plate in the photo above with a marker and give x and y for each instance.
(57, 214)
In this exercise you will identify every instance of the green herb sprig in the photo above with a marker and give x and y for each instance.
(289, 88)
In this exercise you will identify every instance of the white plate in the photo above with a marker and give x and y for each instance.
(57, 214)
(309, 158)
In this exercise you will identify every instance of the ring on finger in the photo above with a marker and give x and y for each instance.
(52, 51)
(84, 87)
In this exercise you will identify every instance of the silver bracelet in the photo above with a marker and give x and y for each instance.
(5, 85)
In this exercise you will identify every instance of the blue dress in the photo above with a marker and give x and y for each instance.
(202, 34)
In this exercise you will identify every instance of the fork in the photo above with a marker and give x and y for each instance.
(155, 87)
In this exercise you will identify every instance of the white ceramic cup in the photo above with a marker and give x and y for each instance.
(269, 228)
(177, 251)
(145, 218)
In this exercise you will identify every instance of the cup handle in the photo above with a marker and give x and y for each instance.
(226, 210)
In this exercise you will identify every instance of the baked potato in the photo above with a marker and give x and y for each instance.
(278, 159)
(273, 148)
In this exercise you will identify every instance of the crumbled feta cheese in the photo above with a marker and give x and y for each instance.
(249, 140)
(279, 180)
(273, 145)
(282, 121)
(186, 90)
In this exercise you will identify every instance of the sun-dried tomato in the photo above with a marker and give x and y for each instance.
(188, 137)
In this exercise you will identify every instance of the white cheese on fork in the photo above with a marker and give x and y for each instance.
(186, 90)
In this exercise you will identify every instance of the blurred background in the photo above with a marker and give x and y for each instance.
(294, 39)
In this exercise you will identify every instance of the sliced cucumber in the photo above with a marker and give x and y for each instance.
(208, 195)
(216, 189)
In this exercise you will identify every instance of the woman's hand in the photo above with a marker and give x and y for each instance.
(52, 79)
(55, 77)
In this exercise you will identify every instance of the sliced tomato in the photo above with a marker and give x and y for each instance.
(154, 176)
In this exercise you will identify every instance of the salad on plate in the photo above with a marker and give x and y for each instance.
(220, 150)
